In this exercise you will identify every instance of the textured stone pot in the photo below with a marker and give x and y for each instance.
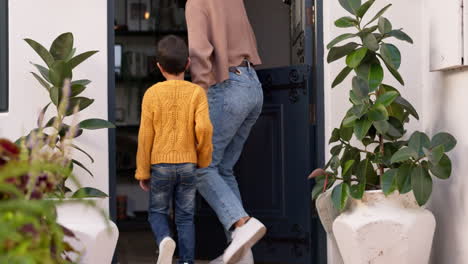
(385, 230)
(95, 239)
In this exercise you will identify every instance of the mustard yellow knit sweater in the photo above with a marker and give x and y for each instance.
(175, 127)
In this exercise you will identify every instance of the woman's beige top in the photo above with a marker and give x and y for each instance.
(220, 36)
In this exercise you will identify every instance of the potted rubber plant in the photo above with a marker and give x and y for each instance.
(379, 177)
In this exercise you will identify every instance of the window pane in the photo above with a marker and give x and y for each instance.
(3, 56)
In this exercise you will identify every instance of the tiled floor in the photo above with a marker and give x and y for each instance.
(138, 248)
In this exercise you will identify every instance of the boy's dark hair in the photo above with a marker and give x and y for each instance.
(173, 54)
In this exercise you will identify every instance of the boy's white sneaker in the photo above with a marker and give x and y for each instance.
(243, 238)
(247, 258)
(166, 251)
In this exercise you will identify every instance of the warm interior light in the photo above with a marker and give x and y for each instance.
(147, 15)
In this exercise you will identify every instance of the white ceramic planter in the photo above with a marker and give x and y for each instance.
(385, 230)
(96, 239)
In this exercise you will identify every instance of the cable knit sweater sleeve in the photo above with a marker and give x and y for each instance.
(203, 129)
(145, 138)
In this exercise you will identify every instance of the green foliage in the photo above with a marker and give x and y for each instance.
(389, 160)
(56, 78)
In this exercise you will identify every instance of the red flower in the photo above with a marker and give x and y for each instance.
(9, 148)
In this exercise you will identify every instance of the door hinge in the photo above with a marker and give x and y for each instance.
(312, 114)
(310, 16)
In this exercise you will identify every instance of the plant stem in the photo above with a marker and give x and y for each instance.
(382, 152)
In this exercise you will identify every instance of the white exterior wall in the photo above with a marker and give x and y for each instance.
(445, 97)
(439, 97)
(43, 21)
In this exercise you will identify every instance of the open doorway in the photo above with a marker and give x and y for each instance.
(278, 155)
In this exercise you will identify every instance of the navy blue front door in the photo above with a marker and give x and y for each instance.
(272, 171)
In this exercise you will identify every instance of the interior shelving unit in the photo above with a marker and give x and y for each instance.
(139, 25)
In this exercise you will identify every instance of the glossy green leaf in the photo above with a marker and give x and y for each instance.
(81, 82)
(81, 102)
(341, 76)
(445, 139)
(361, 128)
(396, 129)
(366, 31)
(79, 164)
(335, 163)
(318, 188)
(384, 25)
(443, 169)
(62, 46)
(407, 106)
(360, 110)
(387, 98)
(398, 34)
(421, 183)
(364, 7)
(43, 71)
(357, 100)
(336, 150)
(404, 154)
(54, 94)
(346, 22)
(379, 14)
(367, 141)
(340, 196)
(378, 112)
(370, 42)
(366, 172)
(418, 141)
(349, 121)
(346, 133)
(355, 58)
(88, 192)
(347, 168)
(337, 53)
(41, 51)
(375, 76)
(404, 178)
(389, 181)
(360, 87)
(351, 6)
(95, 123)
(395, 73)
(59, 71)
(76, 89)
(70, 55)
(335, 136)
(434, 155)
(357, 190)
(382, 126)
(391, 55)
(77, 60)
(83, 151)
(339, 39)
(41, 81)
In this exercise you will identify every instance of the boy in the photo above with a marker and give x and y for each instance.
(174, 139)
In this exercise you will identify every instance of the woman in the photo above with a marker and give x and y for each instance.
(223, 51)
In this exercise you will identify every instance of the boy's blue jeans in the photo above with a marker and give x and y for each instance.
(235, 106)
(174, 184)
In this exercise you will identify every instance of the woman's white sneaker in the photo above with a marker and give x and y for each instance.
(243, 238)
(166, 251)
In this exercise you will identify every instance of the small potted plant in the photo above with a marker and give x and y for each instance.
(56, 135)
(379, 177)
